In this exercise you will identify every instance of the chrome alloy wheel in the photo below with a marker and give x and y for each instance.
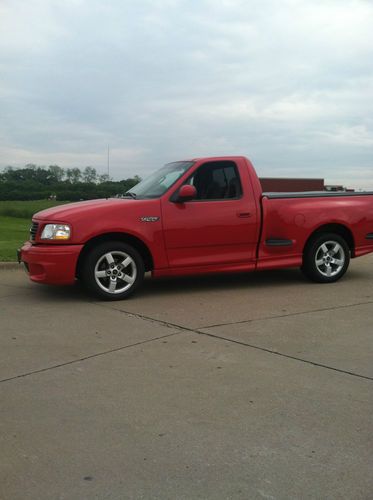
(330, 258)
(115, 272)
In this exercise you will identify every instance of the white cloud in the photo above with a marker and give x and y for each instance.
(357, 135)
(124, 160)
(288, 83)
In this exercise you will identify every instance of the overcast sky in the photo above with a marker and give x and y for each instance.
(288, 83)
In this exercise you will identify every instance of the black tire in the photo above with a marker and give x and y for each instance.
(113, 270)
(326, 258)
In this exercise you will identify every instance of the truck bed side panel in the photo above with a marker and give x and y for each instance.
(289, 222)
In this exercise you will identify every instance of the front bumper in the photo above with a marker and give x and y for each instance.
(50, 264)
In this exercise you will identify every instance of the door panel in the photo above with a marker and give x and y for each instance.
(220, 226)
(209, 232)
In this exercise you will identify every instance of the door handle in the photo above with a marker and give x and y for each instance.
(244, 214)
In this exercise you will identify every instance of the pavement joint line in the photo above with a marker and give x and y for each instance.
(84, 358)
(147, 318)
(277, 353)
(300, 313)
(200, 332)
(252, 346)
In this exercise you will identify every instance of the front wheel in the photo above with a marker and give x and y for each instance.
(326, 258)
(113, 270)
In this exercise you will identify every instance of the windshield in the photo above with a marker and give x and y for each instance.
(157, 183)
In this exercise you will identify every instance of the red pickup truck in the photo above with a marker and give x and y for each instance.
(206, 215)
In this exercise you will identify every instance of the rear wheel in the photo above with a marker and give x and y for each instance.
(113, 270)
(326, 258)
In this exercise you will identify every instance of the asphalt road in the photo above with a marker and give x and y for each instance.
(252, 386)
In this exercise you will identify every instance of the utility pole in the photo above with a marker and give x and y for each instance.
(108, 160)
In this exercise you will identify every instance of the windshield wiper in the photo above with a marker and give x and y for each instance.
(132, 195)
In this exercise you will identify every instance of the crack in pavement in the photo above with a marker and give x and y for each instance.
(299, 313)
(199, 331)
(278, 353)
(84, 358)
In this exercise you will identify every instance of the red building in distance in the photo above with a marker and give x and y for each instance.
(286, 185)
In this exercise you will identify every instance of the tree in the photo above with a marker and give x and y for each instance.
(89, 175)
(56, 173)
(34, 182)
(73, 175)
(103, 178)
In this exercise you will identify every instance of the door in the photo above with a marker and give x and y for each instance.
(219, 227)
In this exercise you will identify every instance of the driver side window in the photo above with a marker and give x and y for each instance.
(217, 181)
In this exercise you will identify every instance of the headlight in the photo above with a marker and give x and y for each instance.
(56, 232)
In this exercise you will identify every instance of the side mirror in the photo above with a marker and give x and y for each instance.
(187, 192)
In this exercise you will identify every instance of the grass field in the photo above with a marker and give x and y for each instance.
(13, 232)
(15, 221)
(26, 209)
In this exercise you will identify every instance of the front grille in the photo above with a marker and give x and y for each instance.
(33, 230)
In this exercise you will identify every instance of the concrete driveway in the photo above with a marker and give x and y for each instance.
(228, 387)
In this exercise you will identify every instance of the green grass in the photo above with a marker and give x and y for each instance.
(26, 209)
(13, 233)
(15, 222)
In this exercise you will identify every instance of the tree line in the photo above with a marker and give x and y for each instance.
(35, 182)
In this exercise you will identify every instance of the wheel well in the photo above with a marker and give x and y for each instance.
(339, 229)
(126, 238)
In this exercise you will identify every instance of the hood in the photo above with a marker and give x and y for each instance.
(64, 213)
